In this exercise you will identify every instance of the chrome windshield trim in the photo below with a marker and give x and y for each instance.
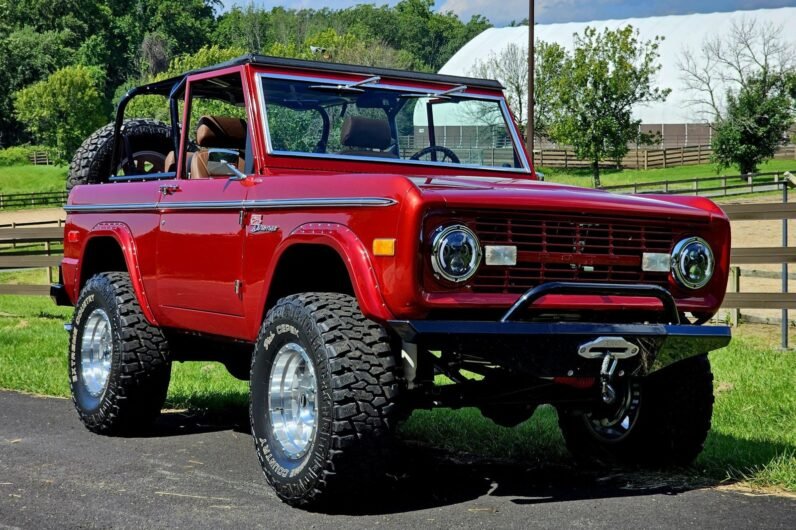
(526, 169)
(266, 204)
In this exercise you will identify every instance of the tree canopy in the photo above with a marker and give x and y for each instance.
(128, 42)
(606, 75)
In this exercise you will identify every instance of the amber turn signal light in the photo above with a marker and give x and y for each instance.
(384, 247)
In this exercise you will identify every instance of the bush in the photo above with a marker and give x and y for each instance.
(19, 155)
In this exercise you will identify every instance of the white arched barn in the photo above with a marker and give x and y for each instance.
(678, 121)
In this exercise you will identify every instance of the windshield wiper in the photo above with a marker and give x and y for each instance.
(436, 95)
(348, 87)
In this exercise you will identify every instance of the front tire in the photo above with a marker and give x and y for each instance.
(119, 366)
(661, 420)
(324, 384)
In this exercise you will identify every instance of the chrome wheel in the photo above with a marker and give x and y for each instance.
(617, 423)
(292, 403)
(96, 351)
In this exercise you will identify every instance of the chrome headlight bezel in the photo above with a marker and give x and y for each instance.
(438, 241)
(679, 267)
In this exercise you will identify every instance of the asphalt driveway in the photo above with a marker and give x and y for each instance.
(201, 472)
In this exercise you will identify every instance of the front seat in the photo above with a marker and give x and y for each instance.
(220, 132)
(366, 137)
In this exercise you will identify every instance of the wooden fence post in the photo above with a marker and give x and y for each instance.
(735, 286)
(682, 155)
(646, 158)
(664, 158)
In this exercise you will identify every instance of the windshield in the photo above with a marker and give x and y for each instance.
(365, 121)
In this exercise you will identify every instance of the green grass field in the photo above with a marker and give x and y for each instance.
(754, 427)
(32, 179)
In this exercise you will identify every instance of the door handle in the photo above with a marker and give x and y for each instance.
(168, 189)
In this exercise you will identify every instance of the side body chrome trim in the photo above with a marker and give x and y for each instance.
(265, 204)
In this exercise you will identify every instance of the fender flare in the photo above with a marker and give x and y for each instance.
(355, 256)
(123, 236)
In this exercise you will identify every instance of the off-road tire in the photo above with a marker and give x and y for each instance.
(358, 383)
(92, 161)
(140, 364)
(672, 423)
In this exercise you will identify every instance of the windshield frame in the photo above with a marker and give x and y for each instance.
(509, 122)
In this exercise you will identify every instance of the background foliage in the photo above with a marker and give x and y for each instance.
(125, 42)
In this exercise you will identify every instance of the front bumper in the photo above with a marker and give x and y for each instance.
(549, 349)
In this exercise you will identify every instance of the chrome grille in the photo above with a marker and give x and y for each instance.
(571, 247)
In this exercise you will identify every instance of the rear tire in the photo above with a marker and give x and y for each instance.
(664, 422)
(324, 384)
(119, 367)
(149, 140)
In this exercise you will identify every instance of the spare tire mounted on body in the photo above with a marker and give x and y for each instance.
(145, 144)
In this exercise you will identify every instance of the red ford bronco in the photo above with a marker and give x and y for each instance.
(340, 235)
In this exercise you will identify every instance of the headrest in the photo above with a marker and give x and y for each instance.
(221, 131)
(365, 132)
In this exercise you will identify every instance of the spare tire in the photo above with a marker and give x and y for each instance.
(149, 142)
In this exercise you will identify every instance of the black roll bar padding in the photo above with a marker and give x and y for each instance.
(122, 106)
(117, 127)
(604, 289)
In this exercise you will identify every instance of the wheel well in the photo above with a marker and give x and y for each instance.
(305, 268)
(102, 254)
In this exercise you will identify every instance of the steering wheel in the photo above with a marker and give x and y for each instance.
(446, 154)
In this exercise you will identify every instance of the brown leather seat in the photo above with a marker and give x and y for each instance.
(171, 161)
(219, 132)
(366, 137)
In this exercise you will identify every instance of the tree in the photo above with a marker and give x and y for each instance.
(63, 109)
(510, 67)
(755, 123)
(741, 83)
(606, 75)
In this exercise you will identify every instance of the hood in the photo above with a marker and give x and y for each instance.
(511, 193)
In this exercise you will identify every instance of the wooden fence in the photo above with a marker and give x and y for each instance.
(26, 200)
(40, 158)
(43, 236)
(642, 158)
(718, 186)
(43, 257)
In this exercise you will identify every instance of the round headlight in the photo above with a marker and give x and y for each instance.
(455, 253)
(692, 262)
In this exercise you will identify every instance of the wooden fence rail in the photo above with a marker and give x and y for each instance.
(767, 211)
(718, 186)
(39, 258)
(23, 200)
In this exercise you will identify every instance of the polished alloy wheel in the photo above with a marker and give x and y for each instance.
(96, 351)
(292, 403)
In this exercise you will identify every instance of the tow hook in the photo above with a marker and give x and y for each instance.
(611, 350)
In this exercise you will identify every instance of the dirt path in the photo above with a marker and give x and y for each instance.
(33, 215)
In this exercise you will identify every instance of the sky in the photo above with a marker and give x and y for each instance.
(501, 12)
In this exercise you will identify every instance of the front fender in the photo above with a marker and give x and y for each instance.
(123, 236)
(355, 256)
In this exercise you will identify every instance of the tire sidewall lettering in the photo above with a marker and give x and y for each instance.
(284, 473)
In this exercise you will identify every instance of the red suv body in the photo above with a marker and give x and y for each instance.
(426, 211)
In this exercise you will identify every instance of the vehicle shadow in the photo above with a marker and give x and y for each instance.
(423, 477)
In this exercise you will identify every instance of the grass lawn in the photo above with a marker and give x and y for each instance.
(611, 177)
(754, 424)
(32, 179)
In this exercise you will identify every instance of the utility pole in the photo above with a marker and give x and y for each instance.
(531, 68)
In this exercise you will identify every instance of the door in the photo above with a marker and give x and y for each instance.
(200, 238)
(200, 245)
